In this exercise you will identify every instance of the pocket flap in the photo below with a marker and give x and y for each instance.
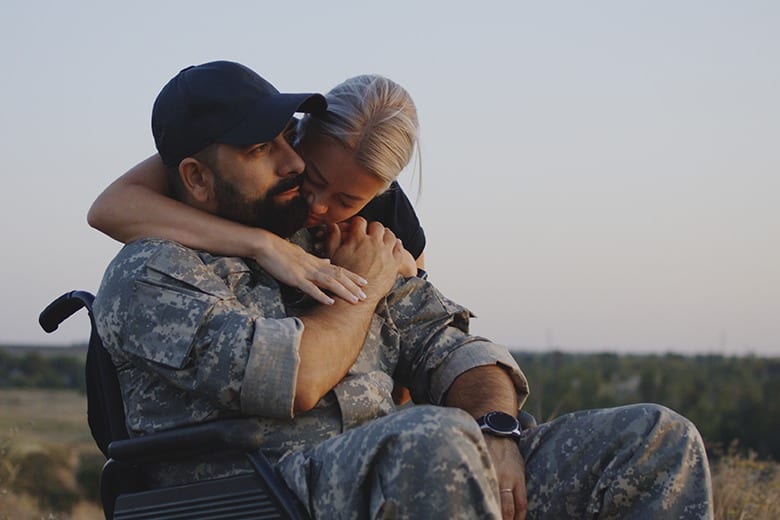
(163, 323)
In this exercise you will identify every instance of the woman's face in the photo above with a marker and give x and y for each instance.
(335, 185)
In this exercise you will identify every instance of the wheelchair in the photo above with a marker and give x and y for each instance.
(124, 491)
(126, 494)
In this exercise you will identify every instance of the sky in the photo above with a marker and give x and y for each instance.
(596, 176)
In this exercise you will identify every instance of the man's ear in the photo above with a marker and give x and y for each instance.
(198, 181)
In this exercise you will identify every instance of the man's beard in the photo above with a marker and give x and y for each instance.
(281, 218)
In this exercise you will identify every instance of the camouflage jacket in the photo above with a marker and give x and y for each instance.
(196, 337)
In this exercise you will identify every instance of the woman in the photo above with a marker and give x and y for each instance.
(353, 152)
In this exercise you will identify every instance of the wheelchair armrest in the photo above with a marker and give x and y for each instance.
(61, 309)
(228, 435)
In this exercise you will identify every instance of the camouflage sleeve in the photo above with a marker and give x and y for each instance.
(435, 344)
(183, 323)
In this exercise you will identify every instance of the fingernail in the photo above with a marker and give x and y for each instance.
(363, 295)
(353, 298)
(363, 281)
(330, 301)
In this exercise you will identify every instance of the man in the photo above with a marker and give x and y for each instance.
(197, 337)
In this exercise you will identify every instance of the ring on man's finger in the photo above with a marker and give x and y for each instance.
(505, 491)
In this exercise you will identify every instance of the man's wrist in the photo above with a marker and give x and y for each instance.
(500, 424)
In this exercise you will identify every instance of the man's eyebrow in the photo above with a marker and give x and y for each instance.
(240, 148)
(249, 147)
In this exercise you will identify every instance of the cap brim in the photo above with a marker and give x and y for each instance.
(269, 117)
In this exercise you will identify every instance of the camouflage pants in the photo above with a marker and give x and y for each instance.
(640, 461)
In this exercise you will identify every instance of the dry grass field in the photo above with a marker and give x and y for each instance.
(44, 417)
(44, 442)
(48, 463)
(746, 489)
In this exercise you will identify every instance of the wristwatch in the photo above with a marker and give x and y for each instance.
(500, 424)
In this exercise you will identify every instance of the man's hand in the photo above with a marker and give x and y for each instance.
(406, 265)
(510, 469)
(370, 250)
(479, 391)
(334, 234)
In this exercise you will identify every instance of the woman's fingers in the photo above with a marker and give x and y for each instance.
(338, 281)
(312, 290)
(341, 282)
(355, 278)
(293, 266)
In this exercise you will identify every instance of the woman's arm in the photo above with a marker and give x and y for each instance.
(136, 205)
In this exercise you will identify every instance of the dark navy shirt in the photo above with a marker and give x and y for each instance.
(393, 209)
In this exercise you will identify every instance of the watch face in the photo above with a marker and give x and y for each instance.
(501, 421)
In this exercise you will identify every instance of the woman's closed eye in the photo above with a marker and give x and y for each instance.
(346, 203)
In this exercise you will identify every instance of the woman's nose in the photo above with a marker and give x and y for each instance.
(316, 206)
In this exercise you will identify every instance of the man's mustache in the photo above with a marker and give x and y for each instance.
(288, 183)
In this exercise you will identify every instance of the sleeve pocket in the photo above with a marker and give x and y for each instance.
(163, 323)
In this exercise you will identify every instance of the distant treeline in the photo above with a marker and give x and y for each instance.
(41, 370)
(729, 398)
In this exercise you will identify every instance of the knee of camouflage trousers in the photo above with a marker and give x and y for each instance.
(442, 466)
(675, 455)
(421, 462)
(636, 461)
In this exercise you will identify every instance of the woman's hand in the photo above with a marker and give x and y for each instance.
(293, 266)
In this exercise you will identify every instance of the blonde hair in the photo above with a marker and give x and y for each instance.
(373, 117)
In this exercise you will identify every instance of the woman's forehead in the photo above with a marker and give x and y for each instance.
(334, 164)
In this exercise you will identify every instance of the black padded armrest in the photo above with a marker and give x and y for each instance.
(230, 435)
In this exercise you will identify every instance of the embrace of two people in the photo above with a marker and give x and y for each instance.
(218, 308)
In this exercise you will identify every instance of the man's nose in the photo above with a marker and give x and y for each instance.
(293, 164)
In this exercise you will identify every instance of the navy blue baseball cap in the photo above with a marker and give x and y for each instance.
(221, 102)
